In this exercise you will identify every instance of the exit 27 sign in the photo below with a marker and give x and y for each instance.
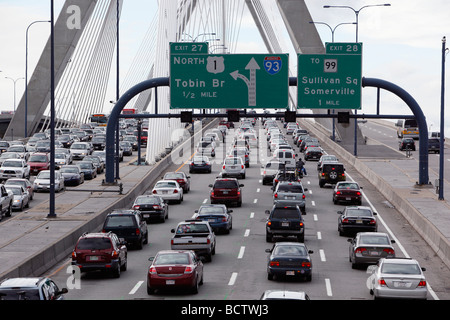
(232, 81)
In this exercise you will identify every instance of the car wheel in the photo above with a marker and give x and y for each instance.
(269, 237)
(116, 273)
(124, 266)
(8, 213)
(194, 289)
(150, 290)
(269, 276)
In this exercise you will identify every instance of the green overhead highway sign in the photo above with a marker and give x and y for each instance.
(232, 81)
(329, 81)
(188, 47)
(343, 48)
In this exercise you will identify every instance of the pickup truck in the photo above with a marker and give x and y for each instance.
(194, 235)
(6, 201)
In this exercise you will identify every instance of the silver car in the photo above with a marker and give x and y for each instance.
(290, 192)
(21, 198)
(269, 170)
(401, 278)
(369, 247)
(42, 181)
(233, 167)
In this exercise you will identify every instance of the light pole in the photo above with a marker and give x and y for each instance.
(14, 82)
(26, 74)
(442, 133)
(332, 29)
(358, 11)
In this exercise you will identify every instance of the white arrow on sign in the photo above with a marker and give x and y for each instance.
(251, 84)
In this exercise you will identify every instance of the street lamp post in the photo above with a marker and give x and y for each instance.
(442, 131)
(358, 11)
(26, 74)
(14, 82)
(332, 29)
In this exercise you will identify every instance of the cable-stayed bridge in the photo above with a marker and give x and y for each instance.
(86, 35)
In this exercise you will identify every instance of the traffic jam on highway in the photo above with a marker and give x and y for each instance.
(280, 163)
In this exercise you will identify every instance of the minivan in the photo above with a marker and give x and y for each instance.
(286, 156)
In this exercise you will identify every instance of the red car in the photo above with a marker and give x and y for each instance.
(175, 269)
(225, 191)
(346, 191)
(39, 161)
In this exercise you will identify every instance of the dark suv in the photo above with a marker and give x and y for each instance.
(127, 225)
(285, 220)
(100, 251)
(225, 191)
(331, 173)
(407, 144)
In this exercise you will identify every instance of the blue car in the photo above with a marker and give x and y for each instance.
(218, 216)
(200, 163)
(289, 259)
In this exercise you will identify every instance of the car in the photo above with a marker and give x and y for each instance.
(25, 183)
(285, 220)
(38, 162)
(226, 190)
(200, 163)
(289, 259)
(127, 148)
(285, 175)
(347, 191)
(206, 148)
(434, 145)
(407, 144)
(331, 173)
(290, 128)
(21, 197)
(43, 146)
(66, 140)
(21, 150)
(8, 155)
(174, 269)
(183, 180)
(313, 153)
(152, 207)
(73, 175)
(270, 169)
(308, 142)
(42, 181)
(169, 190)
(4, 145)
(369, 247)
(80, 149)
(233, 167)
(129, 225)
(99, 143)
(242, 153)
(354, 219)
(14, 168)
(61, 159)
(30, 288)
(98, 162)
(66, 151)
(132, 139)
(218, 216)
(290, 192)
(284, 295)
(287, 156)
(326, 158)
(100, 251)
(88, 168)
(400, 278)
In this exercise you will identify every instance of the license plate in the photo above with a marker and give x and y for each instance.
(225, 192)
(164, 192)
(211, 220)
(400, 284)
(290, 198)
(348, 198)
(285, 224)
(374, 253)
(290, 273)
(146, 215)
(93, 258)
(170, 282)
(232, 167)
(359, 221)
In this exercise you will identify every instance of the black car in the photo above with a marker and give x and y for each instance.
(434, 145)
(129, 225)
(126, 147)
(152, 207)
(313, 153)
(98, 143)
(98, 162)
(407, 144)
(217, 215)
(289, 259)
(66, 140)
(200, 163)
(331, 173)
(356, 219)
(285, 220)
(88, 168)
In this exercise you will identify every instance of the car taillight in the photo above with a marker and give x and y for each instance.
(156, 207)
(381, 282)
(338, 192)
(208, 241)
(372, 221)
(360, 250)
(345, 220)
(274, 263)
(269, 223)
(323, 174)
(422, 283)
(223, 167)
(154, 191)
(175, 191)
(224, 219)
(304, 197)
(389, 251)
(138, 232)
(264, 172)
(275, 195)
(306, 264)
(136, 207)
(152, 270)
(301, 224)
(358, 193)
(212, 193)
(114, 254)
(242, 166)
(188, 269)
(74, 255)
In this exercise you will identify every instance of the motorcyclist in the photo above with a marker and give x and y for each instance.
(300, 169)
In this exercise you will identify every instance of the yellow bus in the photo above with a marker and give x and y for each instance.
(100, 118)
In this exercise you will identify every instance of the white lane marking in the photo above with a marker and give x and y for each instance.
(258, 190)
(205, 201)
(313, 203)
(136, 287)
(319, 235)
(247, 233)
(233, 278)
(255, 201)
(241, 252)
(315, 217)
(322, 255)
(328, 286)
(252, 215)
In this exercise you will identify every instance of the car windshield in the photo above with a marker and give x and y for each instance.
(285, 250)
(60, 156)
(329, 168)
(69, 170)
(173, 176)
(348, 186)
(85, 165)
(43, 175)
(38, 158)
(374, 239)
(200, 159)
(79, 146)
(119, 221)
(165, 184)
(208, 210)
(16, 149)
(16, 164)
(400, 268)
(94, 244)
(171, 258)
(280, 213)
(290, 187)
(275, 165)
(358, 212)
(193, 228)
(15, 191)
(147, 200)
(232, 161)
(205, 144)
(225, 184)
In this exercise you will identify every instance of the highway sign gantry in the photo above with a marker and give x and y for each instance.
(232, 81)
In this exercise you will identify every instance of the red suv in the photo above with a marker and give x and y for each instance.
(100, 251)
(225, 191)
(38, 161)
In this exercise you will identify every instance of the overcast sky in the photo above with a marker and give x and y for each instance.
(401, 44)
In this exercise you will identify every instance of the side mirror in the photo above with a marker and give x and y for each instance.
(339, 212)
(310, 251)
(151, 259)
(305, 189)
(268, 250)
(267, 212)
(350, 240)
(210, 185)
(172, 230)
(241, 185)
(375, 213)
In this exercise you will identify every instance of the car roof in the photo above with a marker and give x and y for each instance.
(122, 212)
(30, 282)
(284, 294)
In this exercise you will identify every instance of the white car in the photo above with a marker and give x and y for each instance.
(42, 181)
(169, 190)
(61, 159)
(14, 168)
(21, 197)
(233, 167)
(80, 149)
(20, 149)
